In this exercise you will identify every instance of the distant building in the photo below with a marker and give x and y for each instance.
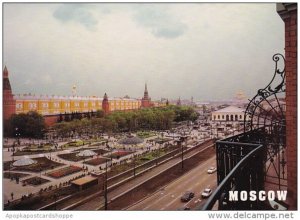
(178, 102)
(146, 100)
(230, 113)
(51, 106)
(9, 104)
(105, 104)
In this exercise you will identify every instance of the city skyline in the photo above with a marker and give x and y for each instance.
(117, 48)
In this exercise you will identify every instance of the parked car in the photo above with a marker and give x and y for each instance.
(206, 193)
(187, 196)
(211, 170)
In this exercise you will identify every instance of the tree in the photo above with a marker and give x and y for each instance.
(99, 113)
(30, 124)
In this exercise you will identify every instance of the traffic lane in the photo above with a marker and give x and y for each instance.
(206, 182)
(191, 181)
(198, 202)
(169, 197)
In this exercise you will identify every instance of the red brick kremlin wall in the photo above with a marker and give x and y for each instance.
(289, 16)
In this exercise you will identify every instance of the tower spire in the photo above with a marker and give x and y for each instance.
(5, 72)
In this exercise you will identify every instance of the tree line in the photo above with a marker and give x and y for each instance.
(32, 124)
(128, 121)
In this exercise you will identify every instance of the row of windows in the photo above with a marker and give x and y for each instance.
(55, 105)
(33, 105)
(228, 117)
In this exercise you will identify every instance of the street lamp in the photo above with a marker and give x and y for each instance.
(133, 165)
(105, 184)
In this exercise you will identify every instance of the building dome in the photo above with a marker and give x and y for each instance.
(23, 162)
(86, 153)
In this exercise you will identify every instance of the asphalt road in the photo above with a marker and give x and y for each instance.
(97, 202)
(168, 198)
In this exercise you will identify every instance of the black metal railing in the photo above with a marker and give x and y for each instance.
(247, 175)
(248, 161)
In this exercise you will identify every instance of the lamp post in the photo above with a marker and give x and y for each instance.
(105, 184)
(133, 165)
(105, 187)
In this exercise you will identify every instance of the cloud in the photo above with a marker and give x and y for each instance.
(158, 19)
(77, 13)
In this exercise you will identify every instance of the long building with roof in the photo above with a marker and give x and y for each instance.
(51, 106)
(230, 113)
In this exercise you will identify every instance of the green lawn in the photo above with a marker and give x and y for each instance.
(145, 134)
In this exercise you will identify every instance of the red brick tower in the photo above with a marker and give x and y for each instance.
(105, 104)
(146, 100)
(9, 104)
(288, 13)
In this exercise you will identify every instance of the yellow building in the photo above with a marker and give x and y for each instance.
(53, 105)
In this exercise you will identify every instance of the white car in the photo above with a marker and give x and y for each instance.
(211, 170)
(206, 193)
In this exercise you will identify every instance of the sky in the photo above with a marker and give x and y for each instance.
(206, 50)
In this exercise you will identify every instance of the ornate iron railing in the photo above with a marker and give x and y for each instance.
(246, 175)
(247, 161)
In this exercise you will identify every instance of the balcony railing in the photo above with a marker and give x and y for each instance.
(246, 175)
(256, 158)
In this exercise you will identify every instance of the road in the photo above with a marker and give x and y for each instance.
(168, 198)
(96, 202)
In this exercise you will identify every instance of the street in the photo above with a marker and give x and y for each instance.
(168, 198)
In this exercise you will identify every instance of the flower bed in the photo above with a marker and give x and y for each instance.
(145, 134)
(121, 153)
(72, 157)
(35, 181)
(9, 175)
(100, 151)
(64, 171)
(96, 161)
(74, 144)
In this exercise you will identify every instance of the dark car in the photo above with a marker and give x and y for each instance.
(187, 196)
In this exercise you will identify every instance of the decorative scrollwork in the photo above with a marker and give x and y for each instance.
(257, 114)
(267, 110)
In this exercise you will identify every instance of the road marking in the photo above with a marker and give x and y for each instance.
(156, 200)
(168, 204)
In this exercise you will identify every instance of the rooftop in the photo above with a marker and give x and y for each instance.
(230, 109)
(83, 180)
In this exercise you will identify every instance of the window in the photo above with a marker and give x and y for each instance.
(240, 116)
(218, 116)
(32, 105)
(56, 104)
(222, 116)
(19, 105)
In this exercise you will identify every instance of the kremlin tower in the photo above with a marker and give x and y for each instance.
(105, 104)
(9, 104)
(146, 100)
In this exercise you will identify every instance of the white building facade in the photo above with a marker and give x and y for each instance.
(230, 113)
